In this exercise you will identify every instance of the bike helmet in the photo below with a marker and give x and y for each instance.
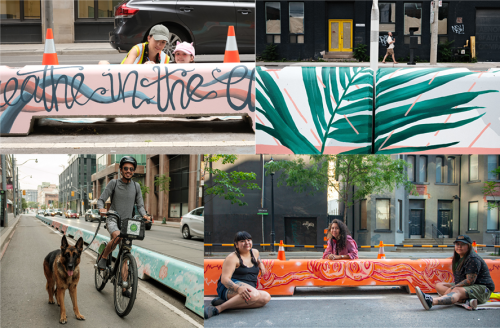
(128, 159)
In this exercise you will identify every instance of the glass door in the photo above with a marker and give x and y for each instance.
(340, 35)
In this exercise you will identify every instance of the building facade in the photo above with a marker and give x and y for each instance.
(48, 195)
(304, 30)
(75, 182)
(31, 195)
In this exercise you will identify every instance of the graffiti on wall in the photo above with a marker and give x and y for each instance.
(458, 29)
(118, 90)
(382, 39)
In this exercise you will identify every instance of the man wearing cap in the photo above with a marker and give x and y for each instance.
(473, 283)
(150, 52)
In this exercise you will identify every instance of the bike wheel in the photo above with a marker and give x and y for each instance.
(123, 305)
(100, 278)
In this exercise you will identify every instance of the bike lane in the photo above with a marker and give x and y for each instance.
(24, 300)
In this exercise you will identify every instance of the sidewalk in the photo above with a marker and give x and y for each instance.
(471, 66)
(6, 232)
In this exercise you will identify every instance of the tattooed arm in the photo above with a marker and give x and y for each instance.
(228, 268)
(261, 265)
(469, 281)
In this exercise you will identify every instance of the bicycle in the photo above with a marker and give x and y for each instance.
(123, 305)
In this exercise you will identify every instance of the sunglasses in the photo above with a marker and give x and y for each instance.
(131, 169)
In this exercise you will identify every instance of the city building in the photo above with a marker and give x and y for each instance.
(330, 28)
(31, 195)
(75, 182)
(6, 192)
(48, 195)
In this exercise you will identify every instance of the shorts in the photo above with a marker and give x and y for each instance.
(390, 51)
(111, 225)
(480, 292)
(222, 290)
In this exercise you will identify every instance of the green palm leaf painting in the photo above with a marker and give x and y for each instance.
(401, 115)
(318, 107)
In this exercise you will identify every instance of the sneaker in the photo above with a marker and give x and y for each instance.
(472, 303)
(102, 263)
(210, 311)
(217, 301)
(126, 293)
(425, 299)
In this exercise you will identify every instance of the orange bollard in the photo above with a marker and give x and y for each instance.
(474, 246)
(381, 253)
(281, 252)
(50, 54)
(231, 55)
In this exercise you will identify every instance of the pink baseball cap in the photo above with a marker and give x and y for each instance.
(185, 48)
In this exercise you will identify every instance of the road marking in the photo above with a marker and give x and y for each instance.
(186, 242)
(146, 290)
(314, 298)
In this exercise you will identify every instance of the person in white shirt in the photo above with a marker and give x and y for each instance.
(390, 49)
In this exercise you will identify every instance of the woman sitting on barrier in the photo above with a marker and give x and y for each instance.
(150, 52)
(473, 283)
(340, 244)
(236, 288)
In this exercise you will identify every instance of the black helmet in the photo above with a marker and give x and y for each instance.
(128, 159)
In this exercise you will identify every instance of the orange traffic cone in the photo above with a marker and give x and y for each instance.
(231, 55)
(50, 55)
(281, 252)
(381, 253)
(474, 246)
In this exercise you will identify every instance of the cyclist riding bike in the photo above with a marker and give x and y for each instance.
(124, 194)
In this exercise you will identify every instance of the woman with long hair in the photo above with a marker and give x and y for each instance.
(340, 244)
(473, 283)
(237, 285)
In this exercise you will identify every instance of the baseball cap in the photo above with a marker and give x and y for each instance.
(160, 32)
(185, 48)
(463, 239)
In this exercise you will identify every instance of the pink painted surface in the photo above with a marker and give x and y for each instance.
(95, 91)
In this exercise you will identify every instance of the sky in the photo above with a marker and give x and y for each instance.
(47, 169)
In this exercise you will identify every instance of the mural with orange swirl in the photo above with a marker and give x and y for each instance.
(282, 277)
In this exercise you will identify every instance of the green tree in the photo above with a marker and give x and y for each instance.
(163, 182)
(144, 189)
(369, 174)
(491, 188)
(33, 204)
(43, 207)
(24, 203)
(228, 185)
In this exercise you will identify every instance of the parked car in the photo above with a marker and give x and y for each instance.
(192, 224)
(92, 215)
(72, 214)
(205, 23)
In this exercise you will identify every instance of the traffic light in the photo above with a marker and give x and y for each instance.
(72, 194)
(24, 192)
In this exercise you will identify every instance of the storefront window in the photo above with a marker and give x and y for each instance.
(387, 17)
(273, 22)
(443, 23)
(16, 9)
(296, 22)
(96, 8)
(383, 214)
(413, 18)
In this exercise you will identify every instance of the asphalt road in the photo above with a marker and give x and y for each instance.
(352, 307)
(163, 240)
(24, 300)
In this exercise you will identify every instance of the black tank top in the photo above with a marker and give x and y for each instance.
(245, 274)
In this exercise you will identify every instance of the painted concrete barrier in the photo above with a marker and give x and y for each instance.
(329, 110)
(184, 278)
(123, 91)
(283, 276)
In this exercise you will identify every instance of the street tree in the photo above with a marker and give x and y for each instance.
(369, 174)
(163, 182)
(24, 203)
(492, 188)
(228, 185)
(144, 189)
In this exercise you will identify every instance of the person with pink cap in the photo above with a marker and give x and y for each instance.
(184, 53)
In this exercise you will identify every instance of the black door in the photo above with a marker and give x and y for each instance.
(444, 222)
(300, 231)
(415, 222)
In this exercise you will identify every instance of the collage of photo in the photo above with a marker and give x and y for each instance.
(249, 163)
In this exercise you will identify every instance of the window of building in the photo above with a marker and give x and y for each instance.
(422, 169)
(473, 208)
(22, 10)
(383, 214)
(439, 169)
(443, 23)
(296, 22)
(411, 168)
(273, 22)
(363, 222)
(493, 164)
(413, 18)
(387, 17)
(473, 168)
(179, 185)
(492, 217)
(451, 169)
(96, 8)
(400, 213)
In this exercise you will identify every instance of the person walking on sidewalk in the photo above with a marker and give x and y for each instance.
(124, 194)
(472, 277)
(151, 51)
(390, 49)
(237, 285)
(340, 245)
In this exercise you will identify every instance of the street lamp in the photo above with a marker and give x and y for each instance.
(272, 206)
(32, 159)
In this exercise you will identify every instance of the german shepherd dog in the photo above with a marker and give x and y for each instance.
(62, 272)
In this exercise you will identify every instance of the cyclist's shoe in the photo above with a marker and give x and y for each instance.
(126, 293)
(102, 263)
(425, 299)
(217, 301)
(210, 311)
